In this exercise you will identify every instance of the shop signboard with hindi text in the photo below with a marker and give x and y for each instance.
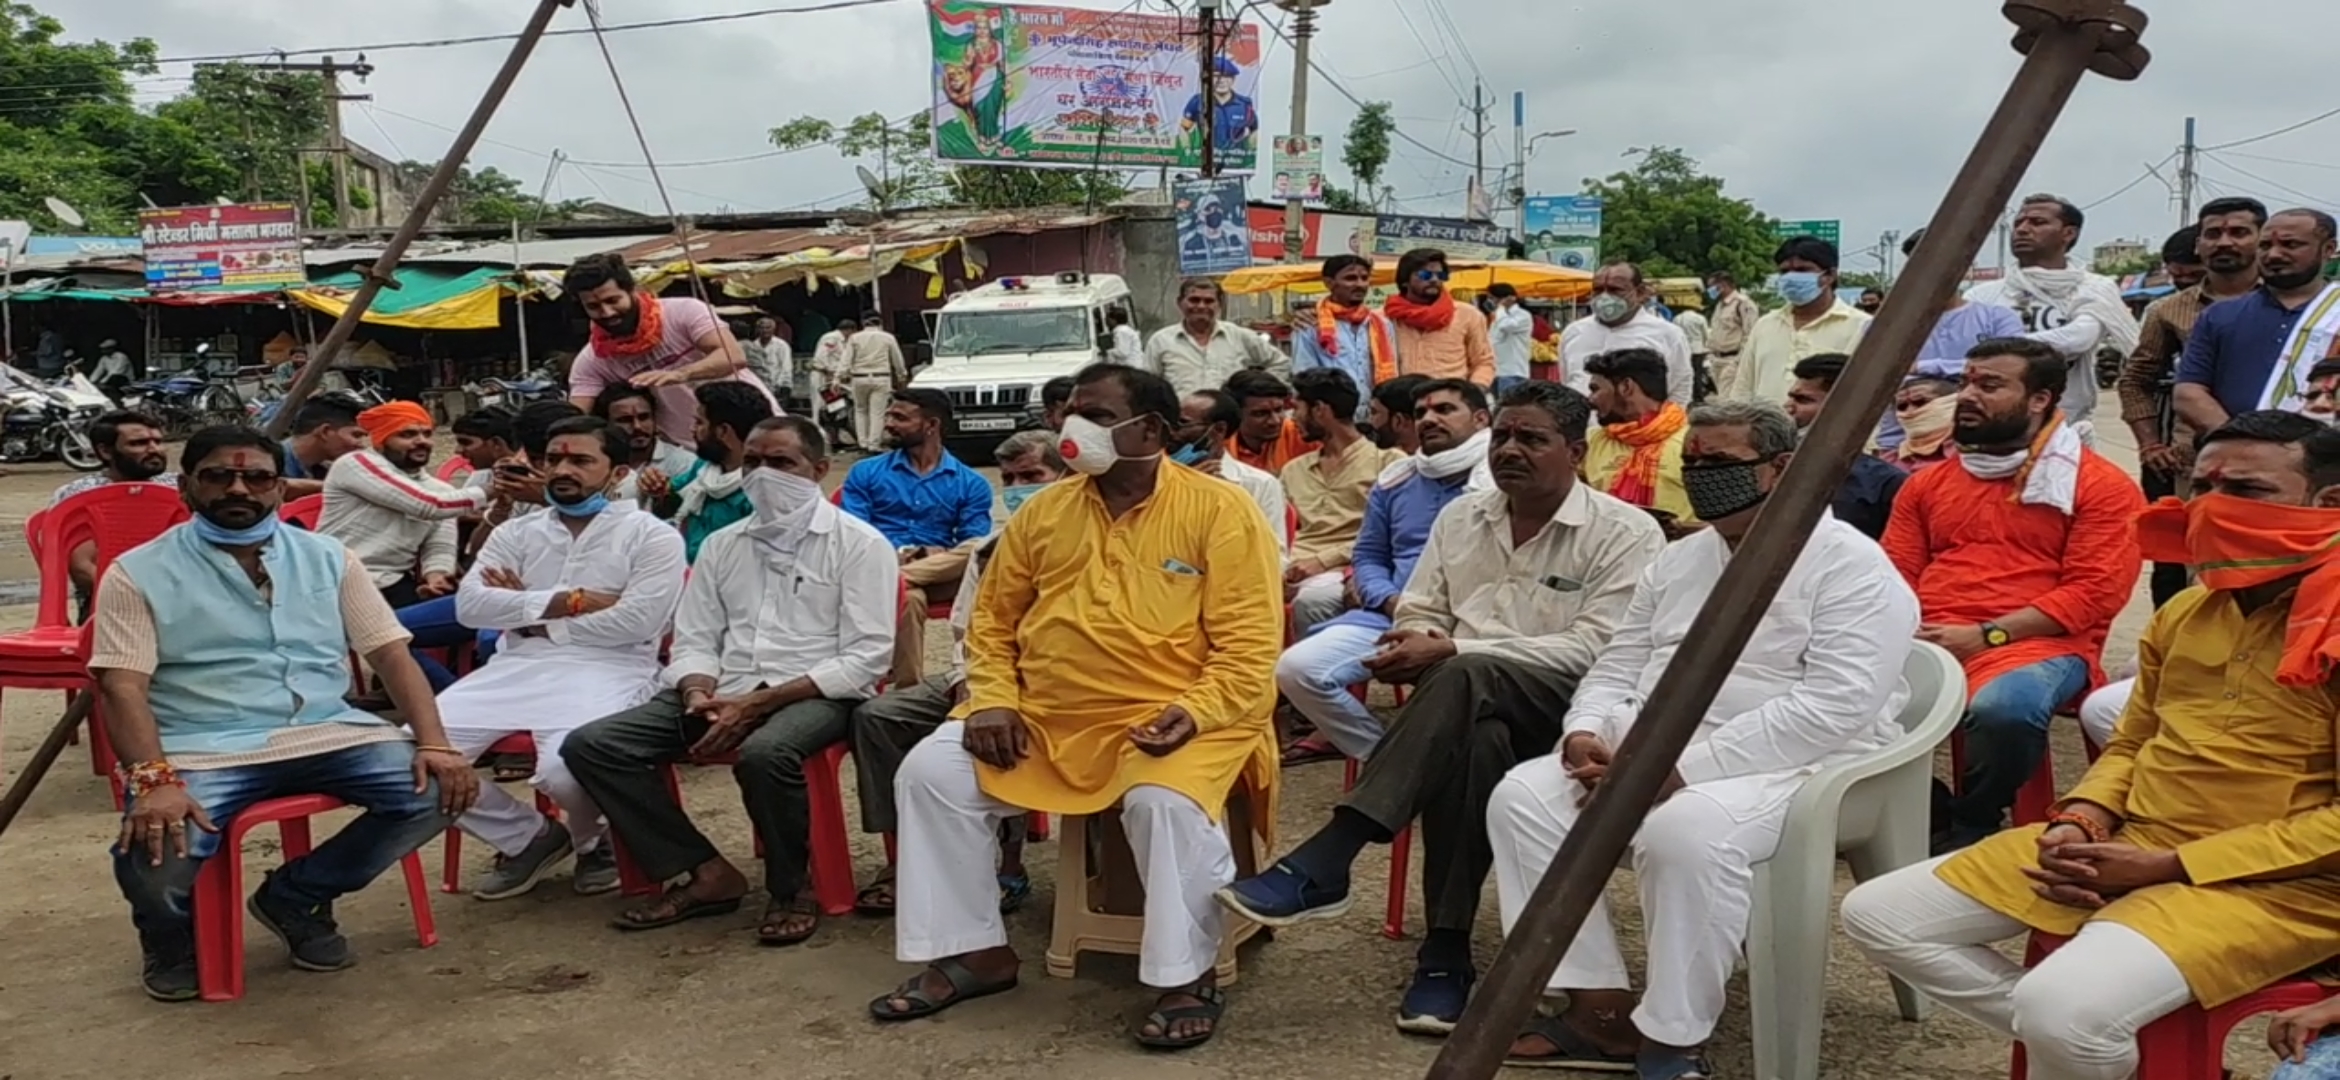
(1323, 235)
(1056, 87)
(236, 244)
(1396, 234)
(1564, 230)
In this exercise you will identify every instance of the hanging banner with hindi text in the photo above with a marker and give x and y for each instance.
(233, 244)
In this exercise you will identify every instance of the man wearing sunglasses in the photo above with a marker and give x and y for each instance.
(221, 652)
(1434, 335)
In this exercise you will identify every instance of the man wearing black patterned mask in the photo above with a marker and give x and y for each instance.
(1734, 458)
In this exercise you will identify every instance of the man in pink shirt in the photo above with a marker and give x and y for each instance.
(659, 345)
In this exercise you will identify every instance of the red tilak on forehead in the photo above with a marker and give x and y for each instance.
(241, 460)
(2216, 474)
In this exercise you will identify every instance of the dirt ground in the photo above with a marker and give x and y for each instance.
(541, 986)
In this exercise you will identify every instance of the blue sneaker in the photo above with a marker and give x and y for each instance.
(1283, 896)
(1670, 1064)
(1435, 1000)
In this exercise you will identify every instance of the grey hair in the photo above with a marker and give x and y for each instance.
(1769, 427)
(1024, 443)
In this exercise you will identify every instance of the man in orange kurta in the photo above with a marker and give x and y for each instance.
(1436, 338)
(1123, 651)
(2022, 550)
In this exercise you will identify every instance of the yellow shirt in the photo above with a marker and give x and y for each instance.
(2216, 761)
(1331, 504)
(1604, 457)
(1088, 626)
(1768, 363)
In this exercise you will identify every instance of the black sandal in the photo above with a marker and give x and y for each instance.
(876, 899)
(1569, 1050)
(778, 913)
(680, 906)
(961, 979)
(1212, 1006)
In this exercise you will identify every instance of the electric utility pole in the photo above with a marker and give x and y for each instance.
(2186, 178)
(1207, 29)
(1295, 210)
(1479, 129)
(335, 143)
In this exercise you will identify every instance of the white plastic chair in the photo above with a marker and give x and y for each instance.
(1876, 812)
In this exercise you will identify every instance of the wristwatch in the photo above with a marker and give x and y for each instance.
(1994, 635)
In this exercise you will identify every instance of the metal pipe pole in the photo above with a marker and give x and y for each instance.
(520, 298)
(1295, 200)
(2061, 39)
(442, 178)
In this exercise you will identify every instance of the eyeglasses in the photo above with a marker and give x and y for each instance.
(255, 480)
(1429, 275)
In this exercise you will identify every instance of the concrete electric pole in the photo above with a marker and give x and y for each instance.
(2186, 178)
(335, 143)
(1295, 212)
(1479, 130)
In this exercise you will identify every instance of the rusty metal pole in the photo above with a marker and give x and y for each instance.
(377, 276)
(2061, 40)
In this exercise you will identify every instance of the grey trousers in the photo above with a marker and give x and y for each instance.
(617, 759)
(1469, 720)
(884, 730)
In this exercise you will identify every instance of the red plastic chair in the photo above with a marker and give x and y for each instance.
(2036, 799)
(2189, 1044)
(219, 904)
(1401, 847)
(303, 511)
(451, 864)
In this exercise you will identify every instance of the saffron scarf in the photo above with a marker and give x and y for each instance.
(1329, 314)
(1637, 478)
(1429, 318)
(648, 331)
(2238, 543)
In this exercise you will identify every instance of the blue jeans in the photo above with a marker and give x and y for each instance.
(377, 778)
(1316, 673)
(434, 626)
(2323, 1061)
(2006, 730)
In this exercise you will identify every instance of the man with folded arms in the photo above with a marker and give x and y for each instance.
(786, 624)
(583, 595)
(1516, 592)
(2194, 863)
(1818, 684)
(1120, 655)
(221, 653)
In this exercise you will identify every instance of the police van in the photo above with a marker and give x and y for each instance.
(996, 345)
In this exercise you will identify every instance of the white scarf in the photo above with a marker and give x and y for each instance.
(2055, 477)
(2076, 293)
(780, 537)
(1471, 455)
(2311, 342)
(710, 483)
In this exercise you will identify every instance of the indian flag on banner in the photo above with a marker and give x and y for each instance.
(957, 19)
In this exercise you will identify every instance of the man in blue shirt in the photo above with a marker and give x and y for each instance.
(1316, 673)
(2237, 345)
(1233, 120)
(1865, 499)
(1348, 335)
(929, 505)
(325, 428)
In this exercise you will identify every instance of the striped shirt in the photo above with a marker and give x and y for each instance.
(2161, 339)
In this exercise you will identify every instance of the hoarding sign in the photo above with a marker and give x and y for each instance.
(1018, 84)
(1323, 235)
(1829, 230)
(1300, 167)
(1396, 234)
(1214, 233)
(237, 244)
(1564, 230)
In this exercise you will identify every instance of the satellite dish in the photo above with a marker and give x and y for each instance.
(63, 211)
(871, 183)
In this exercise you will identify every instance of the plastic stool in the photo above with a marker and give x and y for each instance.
(1100, 903)
(218, 901)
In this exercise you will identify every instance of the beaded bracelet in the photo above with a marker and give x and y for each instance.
(2095, 830)
(140, 777)
(576, 602)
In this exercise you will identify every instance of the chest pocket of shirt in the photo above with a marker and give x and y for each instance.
(1162, 603)
(820, 592)
(1536, 608)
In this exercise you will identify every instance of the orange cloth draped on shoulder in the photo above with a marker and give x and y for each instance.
(1385, 364)
(1974, 556)
(1637, 479)
(648, 332)
(2238, 543)
(383, 421)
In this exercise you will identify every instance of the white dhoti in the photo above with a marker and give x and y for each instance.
(1695, 856)
(947, 901)
(546, 697)
(2100, 712)
(2077, 1012)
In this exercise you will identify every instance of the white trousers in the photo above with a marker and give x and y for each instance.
(871, 395)
(1318, 598)
(1694, 857)
(2077, 1013)
(2100, 714)
(946, 902)
(1310, 673)
(547, 699)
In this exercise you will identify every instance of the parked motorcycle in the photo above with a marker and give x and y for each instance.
(51, 420)
(537, 385)
(187, 401)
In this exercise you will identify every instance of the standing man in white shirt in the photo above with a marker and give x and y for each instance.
(583, 595)
(1128, 349)
(1818, 684)
(828, 376)
(771, 357)
(1203, 350)
(2065, 306)
(873, 360)
(1620, 319)
(1734, 318)
(1695, 331)
(1813, 322)
(786, 625)
(1512, 331)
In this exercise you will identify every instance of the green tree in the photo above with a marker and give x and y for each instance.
(1674, 221)
(1343, 202)
(488, 197)
(2143, 262)
(1365, 149)
(901, 155)
(260, 122)
(68, 129)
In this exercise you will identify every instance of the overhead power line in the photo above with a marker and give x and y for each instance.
(2149, 173)
(1319, 69)
(2286, 130)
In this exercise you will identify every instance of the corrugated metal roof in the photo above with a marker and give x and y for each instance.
(743, 245)
(558, 252)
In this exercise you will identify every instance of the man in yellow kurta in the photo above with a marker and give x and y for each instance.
(1123, 650)
(2199, 859)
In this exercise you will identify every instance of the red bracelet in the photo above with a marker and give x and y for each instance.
(2097, 833)
(140, 777)
(576, 602)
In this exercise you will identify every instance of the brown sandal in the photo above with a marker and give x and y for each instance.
(777, 915)
(673, 906)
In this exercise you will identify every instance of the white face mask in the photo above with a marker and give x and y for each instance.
(1088, 445)
(777, 495)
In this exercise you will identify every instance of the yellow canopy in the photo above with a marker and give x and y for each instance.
(1534, 280)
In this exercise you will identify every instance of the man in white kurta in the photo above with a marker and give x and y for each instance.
(1819, 683)
(583, 596)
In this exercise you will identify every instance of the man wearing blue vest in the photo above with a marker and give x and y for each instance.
(221, 656)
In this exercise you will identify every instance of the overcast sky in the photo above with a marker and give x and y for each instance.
(1852, 109)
